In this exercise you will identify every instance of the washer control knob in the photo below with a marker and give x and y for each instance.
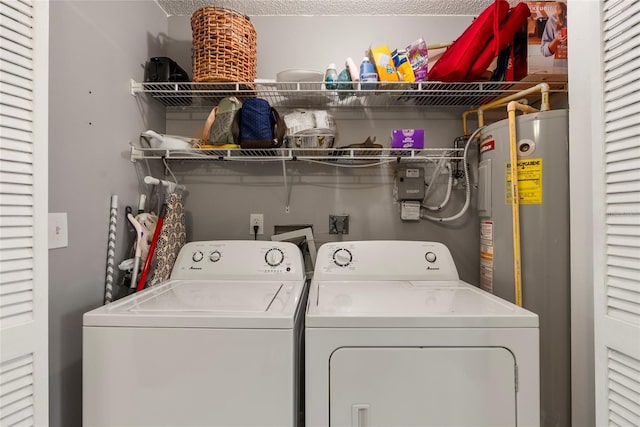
(342, 257)
(215, 256)
(274, 257)
(430, 257)
(197, 256)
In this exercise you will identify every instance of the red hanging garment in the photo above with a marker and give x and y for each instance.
(456, 62)
(514, 20)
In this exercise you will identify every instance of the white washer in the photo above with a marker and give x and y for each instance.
(394, 338)
(219, 344)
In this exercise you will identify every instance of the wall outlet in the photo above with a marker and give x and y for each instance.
(256, 219)
(338, 224)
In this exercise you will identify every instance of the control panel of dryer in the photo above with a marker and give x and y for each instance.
(385, 260)
(239, 259)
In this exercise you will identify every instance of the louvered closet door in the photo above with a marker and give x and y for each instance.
(24, 32)
(617, 281)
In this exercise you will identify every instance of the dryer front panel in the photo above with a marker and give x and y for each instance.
(422, 386)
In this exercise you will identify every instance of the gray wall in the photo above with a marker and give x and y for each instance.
(95, 48)
(313, 42)
(221, 196)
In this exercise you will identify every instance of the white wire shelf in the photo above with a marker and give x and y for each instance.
(191, 95)
(303, 154)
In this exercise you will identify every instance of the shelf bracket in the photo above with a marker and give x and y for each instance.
(136, 154)
(287, 189)
(135, 87)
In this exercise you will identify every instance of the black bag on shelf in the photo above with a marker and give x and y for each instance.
(161, 70)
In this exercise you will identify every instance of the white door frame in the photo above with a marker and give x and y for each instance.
(24, 76)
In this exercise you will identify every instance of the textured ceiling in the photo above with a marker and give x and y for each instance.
(332, 7)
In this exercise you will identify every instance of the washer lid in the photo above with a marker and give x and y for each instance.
(406, 304)
(206, 304)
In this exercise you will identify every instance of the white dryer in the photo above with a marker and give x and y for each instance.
(394, 338)
(219, 344)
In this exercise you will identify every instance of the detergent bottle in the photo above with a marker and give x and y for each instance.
(331, 77)
(368, 74)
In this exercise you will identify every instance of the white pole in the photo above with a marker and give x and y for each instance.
(111, 249)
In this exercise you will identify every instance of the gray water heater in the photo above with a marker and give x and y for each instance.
(543, 186)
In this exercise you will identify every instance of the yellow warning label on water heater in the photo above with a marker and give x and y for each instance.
(529, 182)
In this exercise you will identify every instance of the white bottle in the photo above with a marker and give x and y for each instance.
(352, 69)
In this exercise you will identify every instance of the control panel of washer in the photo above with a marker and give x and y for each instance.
(405, 260)
(239, 259)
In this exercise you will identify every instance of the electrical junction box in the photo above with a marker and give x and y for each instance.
(410, 183)
(410, 211)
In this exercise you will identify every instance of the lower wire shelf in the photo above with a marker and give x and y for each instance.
(293, 154)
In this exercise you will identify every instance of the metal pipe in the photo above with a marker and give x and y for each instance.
(480, 112)
(515, 200)
(542, 87)
(464, 120)
(438, 45)
(482, 108)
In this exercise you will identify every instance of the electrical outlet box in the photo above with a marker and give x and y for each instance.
(410, 211)
(256, 219)
(410, 182)
(338, 224)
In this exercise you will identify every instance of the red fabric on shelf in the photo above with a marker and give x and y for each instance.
(514, 20)
(456, 62)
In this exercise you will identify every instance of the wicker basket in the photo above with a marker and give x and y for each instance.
(224, 46)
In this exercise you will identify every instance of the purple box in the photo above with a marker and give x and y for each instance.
(407, 138)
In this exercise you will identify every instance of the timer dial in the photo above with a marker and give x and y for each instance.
(274, 257)
(197, 256)
(215, 256)
(430, 257)
(342, 257)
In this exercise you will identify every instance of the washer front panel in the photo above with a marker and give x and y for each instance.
(239, 260)
(385, 260)
(406, 387)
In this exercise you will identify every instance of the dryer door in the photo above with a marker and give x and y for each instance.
(422, 386)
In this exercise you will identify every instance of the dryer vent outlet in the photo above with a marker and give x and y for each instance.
(338, 224)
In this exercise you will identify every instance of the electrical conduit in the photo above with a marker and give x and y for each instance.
(449, 188)
(467, 182)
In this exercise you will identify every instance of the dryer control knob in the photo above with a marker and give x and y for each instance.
(342, 257)
(430, 257)
(274, 257)
(197, 256)
(215, 256)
